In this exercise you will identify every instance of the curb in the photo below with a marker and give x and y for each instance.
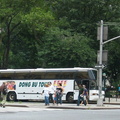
(112, 103)
(88, 108)
(17, 105)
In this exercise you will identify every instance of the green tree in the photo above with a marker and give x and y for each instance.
(62, 48)
(83, 16)
(37, 22)
(12, 15)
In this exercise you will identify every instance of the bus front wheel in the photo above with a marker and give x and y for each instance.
(11, 96)
(70, 98)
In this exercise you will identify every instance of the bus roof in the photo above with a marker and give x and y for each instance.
(75, 69)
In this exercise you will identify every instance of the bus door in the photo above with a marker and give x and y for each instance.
(76, 86)
(86, 83)
(76, 90)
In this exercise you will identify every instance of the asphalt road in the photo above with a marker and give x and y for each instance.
(38, 111)
(53, 114)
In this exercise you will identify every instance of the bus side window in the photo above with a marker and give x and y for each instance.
(76, 86)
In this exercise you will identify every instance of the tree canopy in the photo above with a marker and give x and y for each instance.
(57, 33)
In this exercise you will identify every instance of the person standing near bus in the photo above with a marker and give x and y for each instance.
(46, 92)
(59, 93)
(52, 91)
(85, 95)
(3, 89)
(80, 95)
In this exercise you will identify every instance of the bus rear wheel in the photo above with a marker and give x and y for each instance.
(11, 96)
(70, 98)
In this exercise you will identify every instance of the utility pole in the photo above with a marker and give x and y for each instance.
(100, 100)
(100, 66)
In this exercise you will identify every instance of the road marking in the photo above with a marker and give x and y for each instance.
(18, 109)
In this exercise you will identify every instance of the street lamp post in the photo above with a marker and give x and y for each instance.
(100, 100)
(100, 67)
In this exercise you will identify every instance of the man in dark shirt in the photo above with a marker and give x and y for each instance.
(85, 95)
(3, 95)
(80, 95)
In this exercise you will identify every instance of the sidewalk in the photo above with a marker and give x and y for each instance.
(109, 103)
(87, 107)
(112, 103)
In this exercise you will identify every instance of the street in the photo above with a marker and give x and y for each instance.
(38, 111)
(53, 114)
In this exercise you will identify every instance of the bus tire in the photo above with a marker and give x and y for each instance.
(11, 96)
(70, 97)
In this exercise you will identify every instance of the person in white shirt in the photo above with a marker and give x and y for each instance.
(52, 91)
(46, 92)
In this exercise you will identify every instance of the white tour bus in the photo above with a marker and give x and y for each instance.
(27, 84)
